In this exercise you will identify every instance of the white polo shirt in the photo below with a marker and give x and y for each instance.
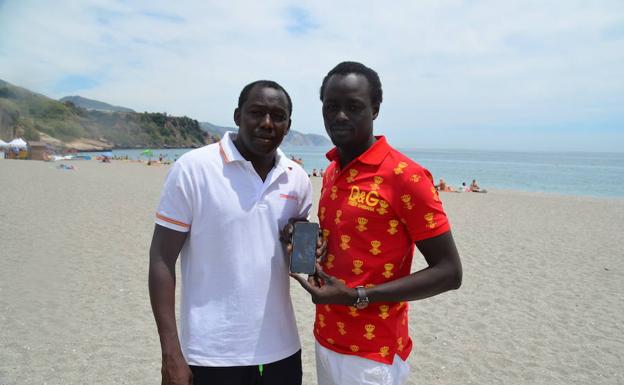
(236, 308)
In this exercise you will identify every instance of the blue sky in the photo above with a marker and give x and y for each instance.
(474, 74)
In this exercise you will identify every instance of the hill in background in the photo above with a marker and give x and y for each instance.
(65, 125)
(294, 138)
(91, 104)
(84, 124)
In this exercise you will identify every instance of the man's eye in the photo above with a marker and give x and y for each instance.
(278, 117)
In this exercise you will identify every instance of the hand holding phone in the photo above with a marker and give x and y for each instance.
(304, 244)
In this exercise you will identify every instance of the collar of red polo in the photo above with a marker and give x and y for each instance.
(373, 156)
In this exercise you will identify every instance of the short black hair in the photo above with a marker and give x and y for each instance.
(242, 98)
(352, 67)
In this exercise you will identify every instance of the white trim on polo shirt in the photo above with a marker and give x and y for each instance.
(229, 152)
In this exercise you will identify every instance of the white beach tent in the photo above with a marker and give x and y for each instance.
(3, 145)
(18, 143)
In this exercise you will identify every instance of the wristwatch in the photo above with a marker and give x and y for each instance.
(362, 300)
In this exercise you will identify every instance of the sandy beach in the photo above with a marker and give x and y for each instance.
(542, 300)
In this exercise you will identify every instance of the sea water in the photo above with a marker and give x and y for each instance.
(569, 173)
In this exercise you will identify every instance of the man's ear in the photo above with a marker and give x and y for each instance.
(375, 111)
(237, 116)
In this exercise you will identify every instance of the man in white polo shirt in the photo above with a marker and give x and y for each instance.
(222, 207)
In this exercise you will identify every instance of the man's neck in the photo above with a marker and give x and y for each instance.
(347, 154)
(262, 164)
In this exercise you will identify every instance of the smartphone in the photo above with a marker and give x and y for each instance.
(303, 257)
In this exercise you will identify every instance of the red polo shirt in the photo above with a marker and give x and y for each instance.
(371, 213)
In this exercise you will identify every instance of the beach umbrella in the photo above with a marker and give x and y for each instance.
(18, 143)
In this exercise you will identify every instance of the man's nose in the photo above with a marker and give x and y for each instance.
(341, 116)
(267, 121)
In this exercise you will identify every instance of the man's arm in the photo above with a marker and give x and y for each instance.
(164, 251)
(443, 273)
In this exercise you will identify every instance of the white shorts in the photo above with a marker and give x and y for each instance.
(343, 369)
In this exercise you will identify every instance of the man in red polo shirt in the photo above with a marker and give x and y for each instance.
(375, 205)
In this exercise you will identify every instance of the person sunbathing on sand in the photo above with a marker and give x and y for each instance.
(474, 187)
(442, 186)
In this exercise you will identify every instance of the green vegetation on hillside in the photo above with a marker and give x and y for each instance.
(27, 114)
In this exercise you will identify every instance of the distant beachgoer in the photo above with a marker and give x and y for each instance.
(314, 172)
(442, 186)
(474, 187)
(237, 320)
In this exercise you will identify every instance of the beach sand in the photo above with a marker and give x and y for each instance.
(542, 300)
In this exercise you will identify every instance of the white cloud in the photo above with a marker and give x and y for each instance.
(455, 73)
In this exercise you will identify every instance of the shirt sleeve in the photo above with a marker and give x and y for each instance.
(175, 207)
(419, 205)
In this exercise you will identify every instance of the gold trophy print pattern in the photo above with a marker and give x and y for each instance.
(375, 247)
(330, 261)
(377, 180)
(400, 344)
(341, 328)
(357, 264)
(383, 351)
(344, 242)
(383, 311)
(399, 168)
(388, 270)
(361, 224)
(322, 216)
(325, 234)
(354, 348)
(330, 341)
(352, 174)
(338, 215)
(327, 308)
(334, 193)
(383, 206)
(429, 219)
(353, 311)
(370, 328)
(415, 178)
(407, 201)
(321, 319)
(393, 226)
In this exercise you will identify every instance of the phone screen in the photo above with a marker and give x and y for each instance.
(303, 258)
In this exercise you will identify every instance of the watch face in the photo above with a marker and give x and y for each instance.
(361, 304)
